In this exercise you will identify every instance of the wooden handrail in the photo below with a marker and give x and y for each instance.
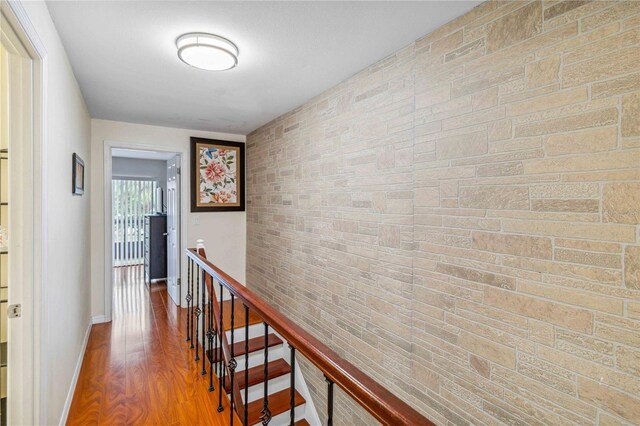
(386, 407)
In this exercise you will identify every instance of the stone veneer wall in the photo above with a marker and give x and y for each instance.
(460, 220)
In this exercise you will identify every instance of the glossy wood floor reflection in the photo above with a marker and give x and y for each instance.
(138, 370)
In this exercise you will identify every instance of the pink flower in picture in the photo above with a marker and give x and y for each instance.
(221, 197)
(215, 172)
(222, 152)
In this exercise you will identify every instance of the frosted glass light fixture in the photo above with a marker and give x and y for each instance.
(207, 51)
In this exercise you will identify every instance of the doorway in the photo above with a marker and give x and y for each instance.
(145, 221)
(20, 198)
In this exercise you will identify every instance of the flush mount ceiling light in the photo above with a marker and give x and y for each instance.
(207, 51)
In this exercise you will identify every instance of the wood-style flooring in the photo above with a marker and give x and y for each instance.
(138, 370)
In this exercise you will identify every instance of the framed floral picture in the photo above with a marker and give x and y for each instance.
(217, 175)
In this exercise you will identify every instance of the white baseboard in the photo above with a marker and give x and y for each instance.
(74, 380)
(98, 319)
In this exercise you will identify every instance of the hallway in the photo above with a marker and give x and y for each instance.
(138, 369)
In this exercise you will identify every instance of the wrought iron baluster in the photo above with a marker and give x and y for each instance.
(188, 297)
(204, 303)
(219, 346)
(220, 361)
(292, 401)
(211, 336)
(191, 307)
(215, 359)
(224, 380)
(197, 312)
(246, 365)
(232, 362)
(265, 414)
(329, 401)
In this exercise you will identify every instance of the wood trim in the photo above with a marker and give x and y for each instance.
(386, 407)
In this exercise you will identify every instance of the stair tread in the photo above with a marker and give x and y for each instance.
(276, 368)
(255, 344)
(278, 404)
(238, 315)
(302, 422)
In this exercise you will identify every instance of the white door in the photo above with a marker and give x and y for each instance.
(16, 221)
(173, 228)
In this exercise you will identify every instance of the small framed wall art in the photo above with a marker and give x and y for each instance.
(217, 175)
(77, 173)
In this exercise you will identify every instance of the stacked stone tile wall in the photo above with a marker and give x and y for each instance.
(461, 219)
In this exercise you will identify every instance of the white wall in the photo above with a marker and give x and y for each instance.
(223, 232)
(142, 168)
(66, 274)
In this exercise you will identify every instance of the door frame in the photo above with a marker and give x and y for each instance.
(178, 257)
(109, 146)
(35, 363)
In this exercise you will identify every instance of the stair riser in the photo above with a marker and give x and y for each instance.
(275, 385)
(257, 358)
(255, 330)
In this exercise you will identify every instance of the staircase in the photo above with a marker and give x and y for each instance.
(251, 350)
(278, 372)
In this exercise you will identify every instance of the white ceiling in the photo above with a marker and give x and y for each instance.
(124, 57)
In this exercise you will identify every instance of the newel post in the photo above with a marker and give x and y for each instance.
(200, 247)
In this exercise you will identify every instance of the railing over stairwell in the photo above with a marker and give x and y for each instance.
(369, 394)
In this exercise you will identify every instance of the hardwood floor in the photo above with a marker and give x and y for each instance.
(138, 370)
